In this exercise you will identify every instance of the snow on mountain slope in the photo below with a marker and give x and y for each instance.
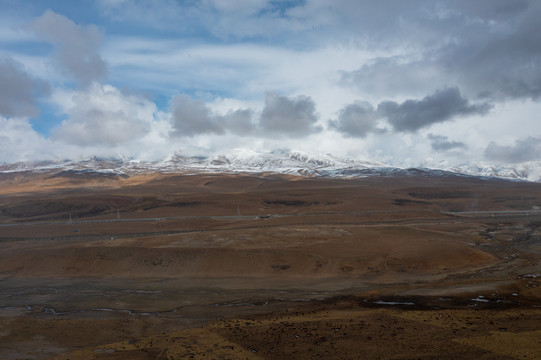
(530, 171)
(279, 161)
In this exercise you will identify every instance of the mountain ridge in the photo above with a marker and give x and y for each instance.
(290, 162)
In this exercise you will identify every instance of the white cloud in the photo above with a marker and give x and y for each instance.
(19, 142)
(103, 115)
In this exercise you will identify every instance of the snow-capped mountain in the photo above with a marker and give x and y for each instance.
(279, 161)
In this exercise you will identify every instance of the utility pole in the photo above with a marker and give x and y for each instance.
(117, 213)
(238, 210)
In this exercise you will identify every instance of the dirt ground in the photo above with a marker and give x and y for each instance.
(223, 266)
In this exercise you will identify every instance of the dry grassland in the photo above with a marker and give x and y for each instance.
(218, 266)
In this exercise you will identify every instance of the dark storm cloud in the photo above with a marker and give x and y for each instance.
(356, 120)
(522, 150)
(493, 9)
(238, 121)
(18, 91)
(443, 105)
(502, 57)
(488, 49)
(76, 48)
(360, 118)
(289, 116)
(192, 117)
(281, 116)
(442, 143)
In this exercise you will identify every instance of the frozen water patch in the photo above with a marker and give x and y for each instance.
(480, 298)
(380, 302)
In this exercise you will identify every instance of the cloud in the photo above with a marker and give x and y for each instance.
(367, 67)
(18, 91)
(394, 76)
(19, 142)
(495, 10)
(222, 19)
(442, 143)
(76, 47)
(291, 117)
(488, 49)
(498, 54)
(171, 15)
(281, 115)
(360, 118)
(527, 149)
(102, 115)
(238, 121)
(443, 105)
(356, 120)
(192, 117)
(236, 7)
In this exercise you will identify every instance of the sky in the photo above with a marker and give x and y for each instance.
(407, 83)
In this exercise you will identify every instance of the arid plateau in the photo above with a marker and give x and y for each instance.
(268, 266)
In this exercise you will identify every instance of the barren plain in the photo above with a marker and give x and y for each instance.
(266, 266)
